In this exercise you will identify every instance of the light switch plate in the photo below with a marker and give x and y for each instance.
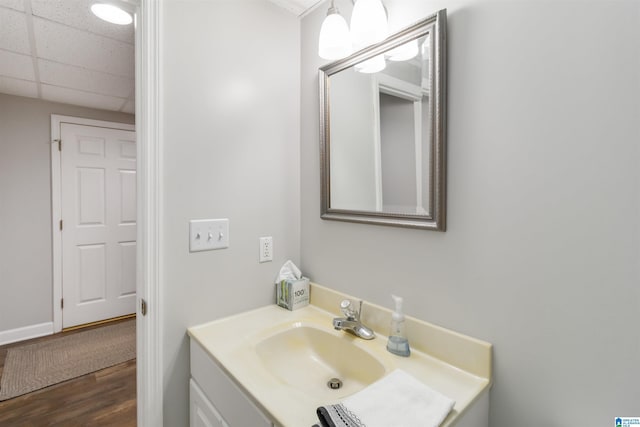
(208, 234)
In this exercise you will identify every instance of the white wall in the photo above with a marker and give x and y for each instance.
(230, 88)
(541, 254)
(352, 151)
(26, 283)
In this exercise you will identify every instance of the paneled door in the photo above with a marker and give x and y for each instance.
(98, 228)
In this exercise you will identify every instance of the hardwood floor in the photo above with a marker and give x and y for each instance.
(102, 398)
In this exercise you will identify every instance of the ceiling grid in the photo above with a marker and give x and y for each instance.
(57, 50)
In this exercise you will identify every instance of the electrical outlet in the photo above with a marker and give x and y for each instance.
(266, 249)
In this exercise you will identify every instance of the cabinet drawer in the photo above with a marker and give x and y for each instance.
(236, 408)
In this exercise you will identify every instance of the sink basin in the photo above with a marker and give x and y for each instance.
(306, 358)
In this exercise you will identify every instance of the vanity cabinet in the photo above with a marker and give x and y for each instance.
(215, 400)
(202, 413)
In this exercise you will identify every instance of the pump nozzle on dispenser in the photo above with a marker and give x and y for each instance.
(398, 342)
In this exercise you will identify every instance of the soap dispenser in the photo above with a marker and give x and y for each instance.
(398, 342)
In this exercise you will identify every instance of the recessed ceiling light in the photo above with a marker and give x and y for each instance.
(110, 13)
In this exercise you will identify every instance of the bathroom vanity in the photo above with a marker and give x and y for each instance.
(271, 366)
(215, 399)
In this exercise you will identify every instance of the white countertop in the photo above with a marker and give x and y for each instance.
(231, 343)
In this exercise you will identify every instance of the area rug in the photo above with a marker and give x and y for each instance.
(34, 366)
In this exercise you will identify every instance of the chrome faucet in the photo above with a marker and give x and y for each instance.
(351, 321)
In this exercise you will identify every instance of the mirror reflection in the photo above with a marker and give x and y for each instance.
(383, 131)
(380, 156)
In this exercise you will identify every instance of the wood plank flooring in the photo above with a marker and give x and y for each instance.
(102, 398)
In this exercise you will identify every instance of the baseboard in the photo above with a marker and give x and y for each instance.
(25, 333)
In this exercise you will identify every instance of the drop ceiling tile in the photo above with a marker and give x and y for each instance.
(85, 99)
(77, 14)
(16, 65)
(68, 45)
(13, 31)
(13, 4)
(18, 87)
(70, 76)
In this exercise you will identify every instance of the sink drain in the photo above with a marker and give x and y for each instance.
(334, 383)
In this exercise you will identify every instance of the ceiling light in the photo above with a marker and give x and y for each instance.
(335, 41)
(110, 13)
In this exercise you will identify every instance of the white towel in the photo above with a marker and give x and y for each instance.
(397, 400)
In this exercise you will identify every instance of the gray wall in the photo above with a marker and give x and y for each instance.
(230, 85)
(25, 206)
(397, 153)
(541, 255)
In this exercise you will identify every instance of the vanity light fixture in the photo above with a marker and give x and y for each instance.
(373, 65)
(335, 40)
(111, 13)
(404, 52)
(368, 23)
(368, 26)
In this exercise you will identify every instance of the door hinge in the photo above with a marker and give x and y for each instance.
(61, 225)
(143, 307)
(61, 303)
(59, 141)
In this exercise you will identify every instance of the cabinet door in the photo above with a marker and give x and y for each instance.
(225, 395)
(202, 412)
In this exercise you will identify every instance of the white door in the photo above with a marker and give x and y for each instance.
(98, 210)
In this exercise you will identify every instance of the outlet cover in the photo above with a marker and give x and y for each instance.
(266, 249)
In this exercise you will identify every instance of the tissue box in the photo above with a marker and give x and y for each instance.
(293, 294)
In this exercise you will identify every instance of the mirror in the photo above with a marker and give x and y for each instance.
(383, 131)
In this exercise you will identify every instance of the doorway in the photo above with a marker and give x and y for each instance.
(148, 107)
(93, 165)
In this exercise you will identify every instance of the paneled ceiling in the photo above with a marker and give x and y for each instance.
(57, 50)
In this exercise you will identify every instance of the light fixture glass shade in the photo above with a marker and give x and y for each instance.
(373, 65)
(368, 23)
(112, 14)
(335, 40)
(404, 52)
